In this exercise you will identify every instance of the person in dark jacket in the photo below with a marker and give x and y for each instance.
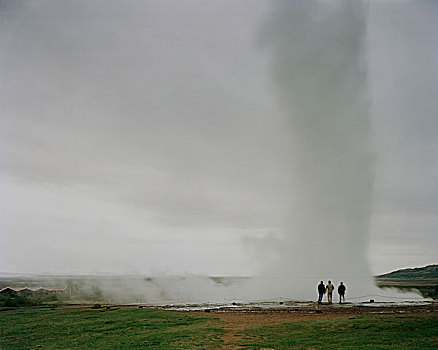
(341, 292)
(321, 291)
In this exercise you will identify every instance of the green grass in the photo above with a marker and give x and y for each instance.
(131, 328)
(108, 329)
(10, 302)
(361, 332)
(421, 279)
(426, 272)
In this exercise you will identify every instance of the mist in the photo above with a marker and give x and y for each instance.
(320, 78)
(194, 139)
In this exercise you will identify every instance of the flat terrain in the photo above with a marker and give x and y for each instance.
(330, 326)
(346, 326)
(115, 328)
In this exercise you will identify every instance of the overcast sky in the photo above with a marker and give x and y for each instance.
(403, 61)
(149, 136)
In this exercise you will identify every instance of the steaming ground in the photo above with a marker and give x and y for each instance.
(195, 291)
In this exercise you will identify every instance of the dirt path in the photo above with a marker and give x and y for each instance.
(236, 322)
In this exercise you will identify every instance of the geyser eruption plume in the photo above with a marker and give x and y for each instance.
(320, 77)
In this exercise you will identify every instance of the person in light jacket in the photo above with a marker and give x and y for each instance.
(330, 288)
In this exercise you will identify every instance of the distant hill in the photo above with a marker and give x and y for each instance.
(423, 279)
(427, 272)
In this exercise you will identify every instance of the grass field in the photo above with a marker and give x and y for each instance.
(360, 332)
(130, 328)
(108, 329)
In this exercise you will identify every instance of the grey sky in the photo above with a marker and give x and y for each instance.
(149, 136)
(403, 60)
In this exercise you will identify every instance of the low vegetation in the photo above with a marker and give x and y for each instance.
(11, 302)
(429, 272)
(108, 329)
(359, 332)
(131, 328)
(423, 279)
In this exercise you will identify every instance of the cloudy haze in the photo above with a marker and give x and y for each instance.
(403, 61)
(173, 136)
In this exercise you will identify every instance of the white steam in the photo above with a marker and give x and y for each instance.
(148, 136)
(320, 76)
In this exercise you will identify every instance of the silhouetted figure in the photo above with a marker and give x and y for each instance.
(330, 288)
(321, 291)
(341, 292)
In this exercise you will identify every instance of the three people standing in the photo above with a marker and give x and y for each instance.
(322, 289)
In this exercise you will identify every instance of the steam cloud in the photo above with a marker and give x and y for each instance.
(320, 72)
(172, 136)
